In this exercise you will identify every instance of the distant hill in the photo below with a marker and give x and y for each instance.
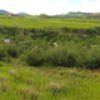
(23, 13)
(79, 15)
(3, 12)
(67, 15)
(75, 14)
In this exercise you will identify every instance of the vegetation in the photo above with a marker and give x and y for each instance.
(31, 22)
(33, 41)
(36, 41)
(47, 83)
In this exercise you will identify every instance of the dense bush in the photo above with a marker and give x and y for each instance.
(3, 52)
(7, 51)
(35, 57)
(12, 50)
(64, 56)
(61, 57)
(94, 57)
(33, 40)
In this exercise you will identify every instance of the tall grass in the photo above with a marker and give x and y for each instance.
(25, 83)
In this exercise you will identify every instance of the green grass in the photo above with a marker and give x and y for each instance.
(36, 22)
(18, 81)
(47, 83)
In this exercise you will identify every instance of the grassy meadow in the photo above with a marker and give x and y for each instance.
(39, 23)
(47, 83)
(49, 58)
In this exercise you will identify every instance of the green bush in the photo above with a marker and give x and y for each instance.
(61, 57)
(81, 57)
(94, 57)
(12, 50)
(35, 57)
(3, 52)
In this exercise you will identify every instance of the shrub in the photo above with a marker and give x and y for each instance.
(3, 52)
(35, 57)
(81, 57)
(89, 58)
(12, 50)
(94, 57)
(61, 57)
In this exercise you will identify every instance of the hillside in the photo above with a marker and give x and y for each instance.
(23, 13)
(3, 12)
(30, 22)
(34, 40)
(82, 15)
(49, 58)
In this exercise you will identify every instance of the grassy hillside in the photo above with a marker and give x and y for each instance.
(32, 40)
(49, 58)
(47, 83)
(37, 22)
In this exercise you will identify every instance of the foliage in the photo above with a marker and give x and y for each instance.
(35, 57)
(32, 40)
(3, 52)
(61, 57)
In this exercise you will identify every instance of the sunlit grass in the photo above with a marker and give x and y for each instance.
(32, 22)
(48, 83)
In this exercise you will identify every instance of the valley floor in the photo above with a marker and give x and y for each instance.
(48, 83)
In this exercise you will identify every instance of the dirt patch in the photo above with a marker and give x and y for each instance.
(96, 71)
